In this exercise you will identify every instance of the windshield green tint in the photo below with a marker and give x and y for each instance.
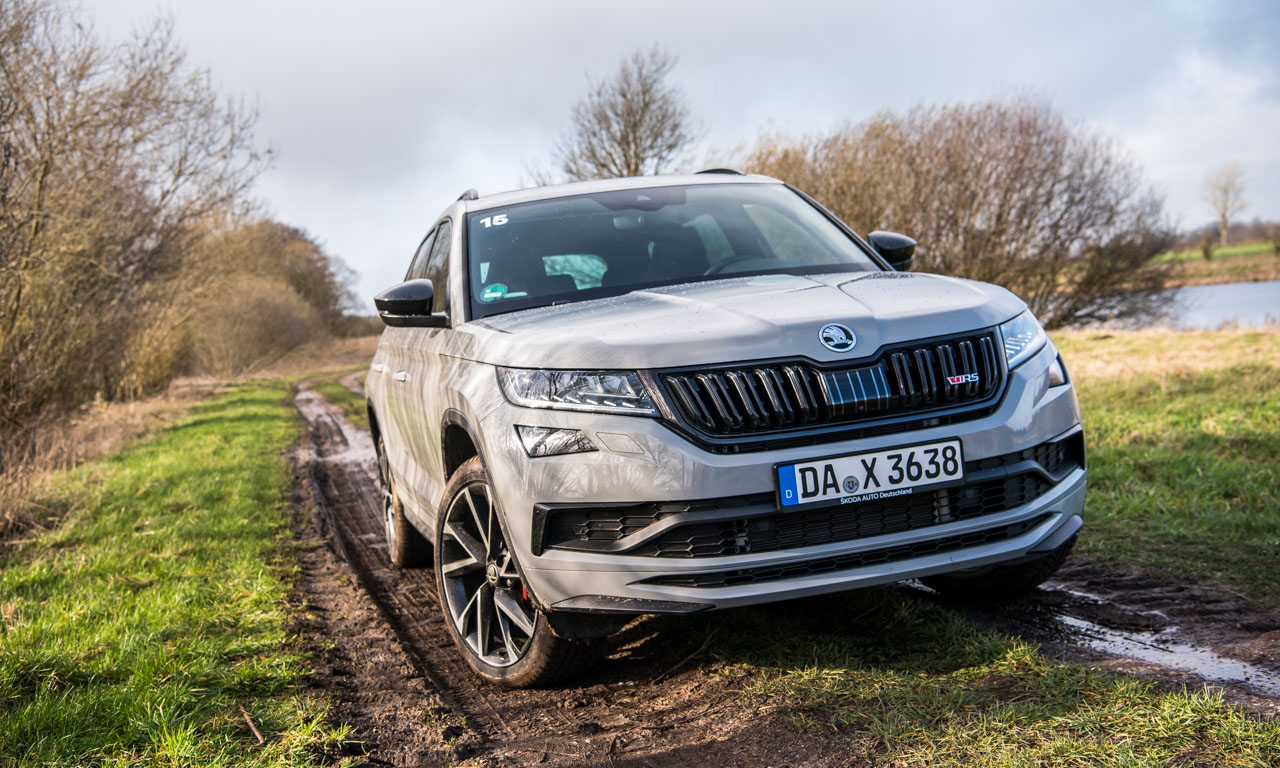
(609, 243)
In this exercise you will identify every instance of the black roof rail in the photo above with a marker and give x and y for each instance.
(729, 171)
(470, 194)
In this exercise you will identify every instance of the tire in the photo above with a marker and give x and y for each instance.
(1000, 582)
(491, 617)
(406, 546)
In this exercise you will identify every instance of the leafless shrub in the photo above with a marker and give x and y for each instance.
(631, 124)
(249, 322)
(1006, 192)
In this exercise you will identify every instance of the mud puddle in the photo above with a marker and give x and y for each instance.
(1161, 648)
(1167, 631)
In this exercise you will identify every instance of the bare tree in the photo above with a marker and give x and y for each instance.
(1224, 192)
(108, 157)
(1002, 191)
(631, 124)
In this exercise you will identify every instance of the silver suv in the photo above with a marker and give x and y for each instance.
(673, 394)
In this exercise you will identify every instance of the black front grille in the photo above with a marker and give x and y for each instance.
(743, 576)
(773, 397)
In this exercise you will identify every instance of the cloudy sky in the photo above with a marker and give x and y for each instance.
(383, 112)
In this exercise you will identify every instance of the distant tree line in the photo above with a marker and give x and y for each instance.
(129, 250)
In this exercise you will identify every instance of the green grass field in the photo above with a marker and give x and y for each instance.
(134, 630)
(1184, 453)
(1227, 252)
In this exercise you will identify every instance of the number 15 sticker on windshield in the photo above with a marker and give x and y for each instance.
(862, 477)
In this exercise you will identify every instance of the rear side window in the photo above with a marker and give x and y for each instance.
(437, 268)
(418, 267)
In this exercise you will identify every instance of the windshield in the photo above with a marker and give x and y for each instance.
(609, 243)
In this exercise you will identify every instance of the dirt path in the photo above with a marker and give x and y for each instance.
(658, 700)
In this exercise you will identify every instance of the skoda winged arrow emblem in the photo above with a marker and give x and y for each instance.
(837, 337)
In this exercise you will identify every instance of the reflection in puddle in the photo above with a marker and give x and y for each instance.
(1159, 648)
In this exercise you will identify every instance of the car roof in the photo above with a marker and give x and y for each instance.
(513, 197)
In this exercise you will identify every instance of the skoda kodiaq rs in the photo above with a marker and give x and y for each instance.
(675, 394)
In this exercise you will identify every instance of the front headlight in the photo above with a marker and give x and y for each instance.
(594, 391)
(1023, 336)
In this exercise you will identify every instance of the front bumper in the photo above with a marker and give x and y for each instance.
(641, 460)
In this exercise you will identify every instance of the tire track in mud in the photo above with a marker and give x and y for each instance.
(345, 477)
(632, 710)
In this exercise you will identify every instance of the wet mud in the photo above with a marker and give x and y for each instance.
(659, 698)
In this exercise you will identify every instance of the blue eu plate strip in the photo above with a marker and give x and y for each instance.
(787, 485)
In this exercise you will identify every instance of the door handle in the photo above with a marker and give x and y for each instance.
(400, 375)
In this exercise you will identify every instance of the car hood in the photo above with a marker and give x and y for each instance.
(746, 318)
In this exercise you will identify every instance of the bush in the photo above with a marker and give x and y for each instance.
(1006, 192)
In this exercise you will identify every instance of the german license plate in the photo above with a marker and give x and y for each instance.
(858, 477)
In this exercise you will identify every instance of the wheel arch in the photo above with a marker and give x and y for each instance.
(459, 441)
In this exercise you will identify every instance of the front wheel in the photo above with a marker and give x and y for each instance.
(1000, 582)
(486, 603)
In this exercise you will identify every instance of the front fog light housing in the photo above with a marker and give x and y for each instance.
(1057, 373)
(1023, 336)
(593, 391)
(550, 441)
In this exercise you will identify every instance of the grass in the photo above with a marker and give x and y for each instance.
(1184, 449)
(1247, 262)
(909, 683)
(1229, 251)
(352, 405)
(134, 631)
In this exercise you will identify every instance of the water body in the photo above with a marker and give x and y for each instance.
(1205, 307)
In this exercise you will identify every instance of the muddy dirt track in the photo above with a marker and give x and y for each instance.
(384, 653)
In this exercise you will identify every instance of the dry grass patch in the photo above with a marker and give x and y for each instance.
(323, 355)
(1164, 354)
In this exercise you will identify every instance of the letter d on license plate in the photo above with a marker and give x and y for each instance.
(873, 475)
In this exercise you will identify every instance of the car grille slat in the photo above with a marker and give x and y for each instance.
(785, 396)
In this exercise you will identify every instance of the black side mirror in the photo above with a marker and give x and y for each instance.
(408, 305)
(898, 250)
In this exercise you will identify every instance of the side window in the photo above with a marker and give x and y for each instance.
(418, 267)
(438, 266)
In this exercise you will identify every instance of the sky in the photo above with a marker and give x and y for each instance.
(381, 113)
